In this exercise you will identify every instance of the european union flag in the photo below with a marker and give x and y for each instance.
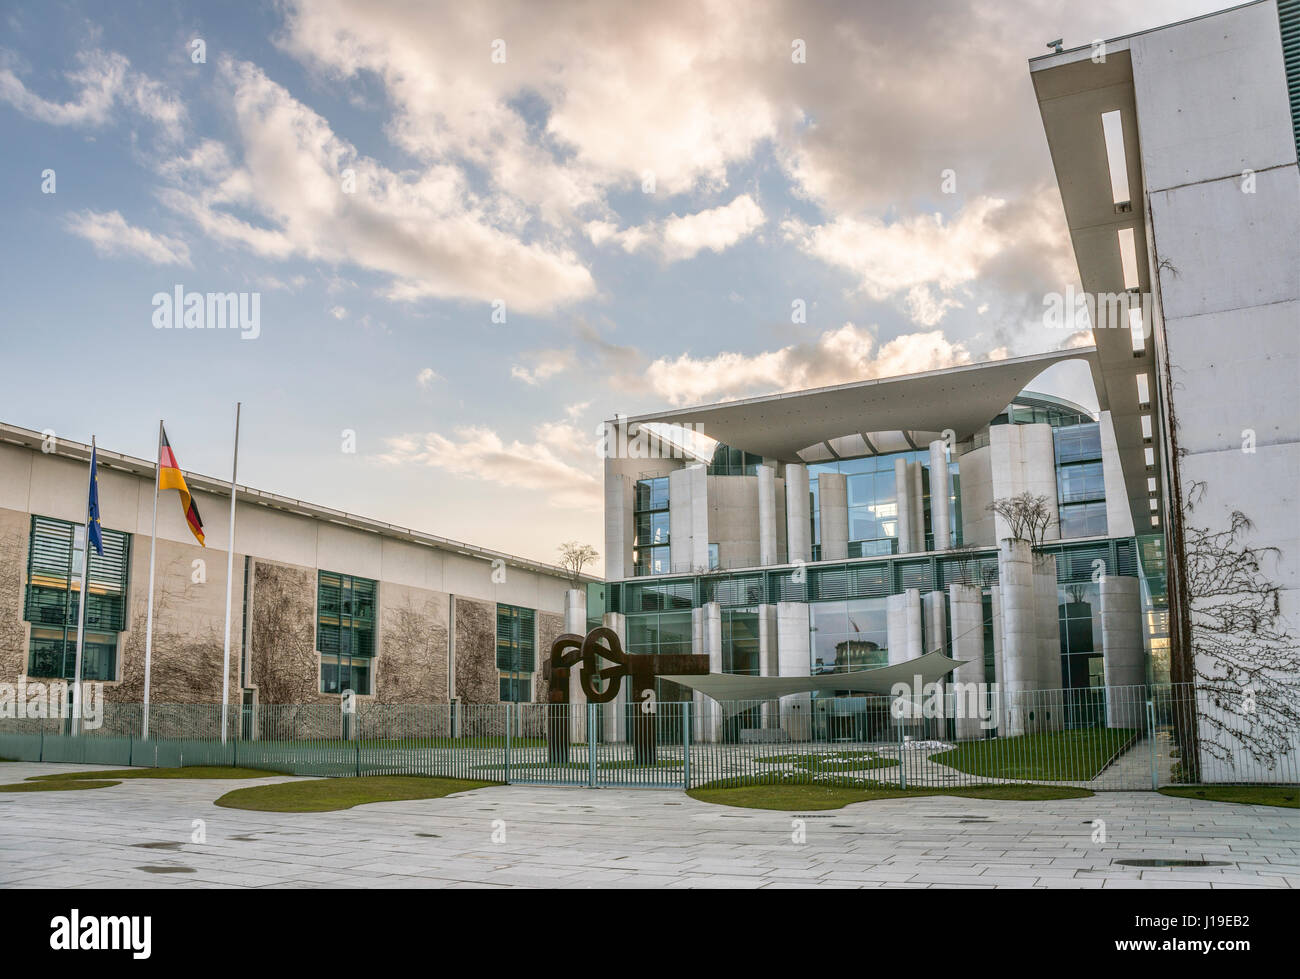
(92, 508)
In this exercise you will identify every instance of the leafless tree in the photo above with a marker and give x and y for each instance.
(1028, 516)
(573, 556)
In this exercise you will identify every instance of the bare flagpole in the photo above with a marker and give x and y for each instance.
(153, 549)
(81, 602)
(230, 573)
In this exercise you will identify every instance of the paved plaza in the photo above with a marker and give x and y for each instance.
(139, 834)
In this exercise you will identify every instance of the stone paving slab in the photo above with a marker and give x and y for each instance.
(583, 838)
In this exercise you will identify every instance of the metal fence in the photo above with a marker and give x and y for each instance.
(1100, 738)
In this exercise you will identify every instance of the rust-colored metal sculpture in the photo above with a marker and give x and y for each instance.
(603, 642)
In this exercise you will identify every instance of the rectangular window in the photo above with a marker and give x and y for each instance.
(516, 656)
(650, 516)
(345, 631)
(53, 594)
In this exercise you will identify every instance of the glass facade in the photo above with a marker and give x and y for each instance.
(650, 518)
(733, 462)
(873, 502)
(516, 652)
(53, 595)
(1080, 482)
(848, 635)
(740, 641)
(345, 631)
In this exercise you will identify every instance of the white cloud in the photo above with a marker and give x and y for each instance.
(103, 79)
(546, 363)
(111, 236)
(850, 353)
(338, 312)
(427, 376)
(679, 238)
(560, 461)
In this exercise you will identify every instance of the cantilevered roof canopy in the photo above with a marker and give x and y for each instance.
(728, 686)
(962, 398)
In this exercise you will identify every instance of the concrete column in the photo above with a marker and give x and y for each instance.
(769, 663)
(918, 507)
(1047, 616)
(707, 623)
(1019, 633)
(795, 659)
(902, 490)
(688, 519)
(833, 502)
(575, 611)
(999, 676)
(1123, 655)
(934, 604)
(798, 531)
(615, 723)
(767, 553)
(575, 621)
(1022, 458)
(967, 608)
(940, 487)
(618, 527)
(903, 626)
(1119, 518)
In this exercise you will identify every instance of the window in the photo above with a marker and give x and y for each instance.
(740, 642)
(848, 635)
(664, 632)
(1080, 619)
(733, 462)
(1080, 480)
(516, 645)
(650, 516)
(345, 632)
(54, 562)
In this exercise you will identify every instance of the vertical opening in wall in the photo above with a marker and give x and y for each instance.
(1136, 331)
(1143, 386)
(1112, 130)
(1128, 258)
(1146, 426)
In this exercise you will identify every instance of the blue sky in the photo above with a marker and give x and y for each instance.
(648, 189)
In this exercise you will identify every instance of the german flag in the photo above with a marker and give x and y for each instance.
(171, 477)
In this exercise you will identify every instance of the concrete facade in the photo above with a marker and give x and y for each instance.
(435, 620)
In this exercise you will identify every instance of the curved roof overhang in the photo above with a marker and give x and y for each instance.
(782, 426)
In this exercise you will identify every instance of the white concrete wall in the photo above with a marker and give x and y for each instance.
(967, 610)
(833, 504)
(688, 519)
(767, 537)
(1212, 111)
(794, 657)
(798, 529)
(1123, 655)
(977, 525)
(1119, 516)
(1022, 459)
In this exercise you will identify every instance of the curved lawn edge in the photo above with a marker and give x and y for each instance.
(1279, 796)
(30, 786)
(187, 771)
(333, 794)
(796, 797)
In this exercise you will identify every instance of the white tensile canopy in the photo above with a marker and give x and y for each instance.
(727, 686)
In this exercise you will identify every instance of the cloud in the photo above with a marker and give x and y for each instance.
(338, 312)
(922, 261)
(679, 238)
(546, 363)
(112, 237)
(427, 376)
(103, 79)
(560, 461)
(850, 353)
(427, 232)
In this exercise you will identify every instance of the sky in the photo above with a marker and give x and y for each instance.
(472, 231)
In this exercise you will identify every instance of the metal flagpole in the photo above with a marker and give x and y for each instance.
(81, 603)
(230, 572)
(153, 549)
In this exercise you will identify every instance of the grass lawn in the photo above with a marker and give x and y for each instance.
(57, 786)
(1047, 756)
(329, 794)
(1286, 796)
(838, 761)
(794, 797)
(187, 771)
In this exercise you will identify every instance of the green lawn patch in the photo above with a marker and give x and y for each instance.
(186, 771)
(330, 794)
(837, 761)
(764, 792)
(1047, 756)
(1285, 796)
(56, 786)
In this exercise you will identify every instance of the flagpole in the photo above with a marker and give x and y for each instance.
(153, 550)
(230, 573)
(81, 603)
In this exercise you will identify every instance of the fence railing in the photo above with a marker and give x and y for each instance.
(1100, 738)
